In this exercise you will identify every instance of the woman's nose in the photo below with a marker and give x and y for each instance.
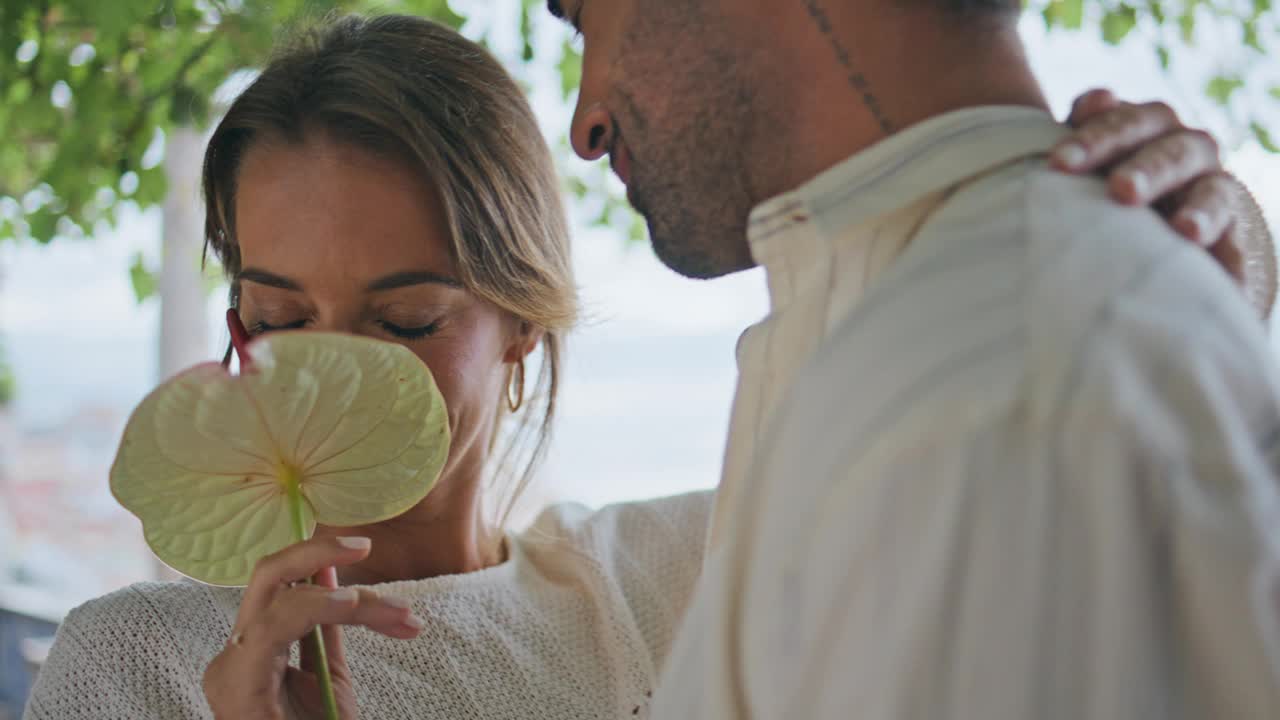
(592, 132)
(339, 321)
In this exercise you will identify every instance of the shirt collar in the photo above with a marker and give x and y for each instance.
(899, 171)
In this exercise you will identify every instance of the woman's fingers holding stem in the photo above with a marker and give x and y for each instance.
(296, 611)
(297, 563)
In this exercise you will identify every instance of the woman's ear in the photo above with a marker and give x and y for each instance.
(523, 342)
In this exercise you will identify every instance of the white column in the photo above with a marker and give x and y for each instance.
(184, 333)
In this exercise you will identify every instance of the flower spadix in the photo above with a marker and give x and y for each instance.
(320, 428)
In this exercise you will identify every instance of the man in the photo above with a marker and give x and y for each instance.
(1002, 449)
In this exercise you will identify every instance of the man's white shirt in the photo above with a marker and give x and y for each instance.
(1003, 449)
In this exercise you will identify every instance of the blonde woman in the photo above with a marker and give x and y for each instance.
(385, 177)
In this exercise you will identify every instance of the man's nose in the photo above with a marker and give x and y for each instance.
(592, 132)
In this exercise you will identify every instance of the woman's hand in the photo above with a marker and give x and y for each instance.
(251, 678)
(1150, 157)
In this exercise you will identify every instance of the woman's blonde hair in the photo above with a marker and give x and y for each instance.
(412, 89)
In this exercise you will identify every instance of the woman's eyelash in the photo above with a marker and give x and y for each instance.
(406, 333)
(412, 333)
(260, 327)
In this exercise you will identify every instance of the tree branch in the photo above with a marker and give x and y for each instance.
(131, 132)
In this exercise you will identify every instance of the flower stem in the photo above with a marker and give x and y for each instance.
(294, 493)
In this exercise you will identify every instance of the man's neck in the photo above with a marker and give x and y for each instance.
(859, 72)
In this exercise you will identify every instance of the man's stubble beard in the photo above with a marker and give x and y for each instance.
(690, 177)
(696, 242)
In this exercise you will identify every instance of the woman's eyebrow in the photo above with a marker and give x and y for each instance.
(263, 277)
(416, 277)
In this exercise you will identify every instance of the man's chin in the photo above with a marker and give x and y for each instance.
(697, 255)
(688, 257)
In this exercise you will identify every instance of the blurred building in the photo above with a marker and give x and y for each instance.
(63, 539)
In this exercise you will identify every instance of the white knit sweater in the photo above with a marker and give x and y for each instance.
(575, 624)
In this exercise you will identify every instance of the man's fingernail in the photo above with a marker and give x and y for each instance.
(414, 622)
(396, 602)
(1139, 182)
(343, 595)
(1071, 155)
(1196, 222)
(355, 543)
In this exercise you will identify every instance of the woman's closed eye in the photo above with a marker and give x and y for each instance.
(261, 327)
(410, 333)
(402, 331)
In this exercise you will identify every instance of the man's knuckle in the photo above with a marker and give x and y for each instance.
(1173, 152)
(1206, 140)
(1092, 136)
(1121, 118)
(1162, 112)
(1091, 101)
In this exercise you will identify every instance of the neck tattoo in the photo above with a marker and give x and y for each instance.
(857, 80)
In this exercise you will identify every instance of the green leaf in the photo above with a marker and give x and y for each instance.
(1221, 87)
(19, 91)
(1162, 53)
(1116, 24)
(152, 185)
(190, 108)
(1187, 25)
(639, 229)
(142, 279)
(1264, 137)
(1068, 14)
(526, 30)
(8, 382)
(570, 67)
(44, 225)
(577, 186)
(1251, 38)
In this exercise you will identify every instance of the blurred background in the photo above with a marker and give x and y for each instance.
(103, 111)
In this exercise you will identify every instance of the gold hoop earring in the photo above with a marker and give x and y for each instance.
(515, 387)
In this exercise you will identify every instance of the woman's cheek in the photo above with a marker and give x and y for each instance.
(466, 361)
(460, 382)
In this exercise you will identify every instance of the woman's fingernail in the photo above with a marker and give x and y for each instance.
(355, 543)
(344, 595)
(1071, 155)
(1139, 182)
(397, 602)
(414, 622)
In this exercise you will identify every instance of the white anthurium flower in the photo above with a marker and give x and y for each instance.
(320, 428)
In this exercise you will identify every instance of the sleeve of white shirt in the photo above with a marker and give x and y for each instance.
(1114, 558)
